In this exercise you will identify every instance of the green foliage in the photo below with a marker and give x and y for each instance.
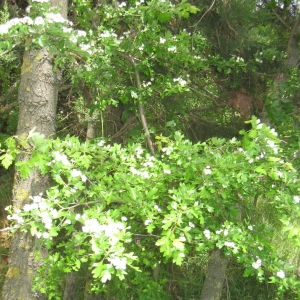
(120, 210)
(115, 211)
(282, 101)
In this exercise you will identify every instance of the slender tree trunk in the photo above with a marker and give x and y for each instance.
(293, 48)
(216, 274)
(142, 110)
(38, 93)
(70, 286)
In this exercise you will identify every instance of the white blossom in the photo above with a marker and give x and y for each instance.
(182, 238)
(191, 224)
(166, 171)
(38, 234)
(273, 132)
(118, 263)
(81, 33)
(46, 219)
(139, 2)
(107, 34)
(167, 150)
(67, 222)
(207, 170)
(280, 274)
(122, 4)
(134, 171)
(67, 29)
(45, 235)
(29, 207)
(139, 152)
(77, 217)
(230, 244)
(61, 157)
(206, 233)
(39, 21)
(162, 40)
(180, 81)
(134, 95)
(172, 49)
(113, 228)
(83, 178)
(146, 84)
(73, 190)
(16, 217)
(55, 18)
(54, 213)
(4, 28)
(273, 146)
(101, 143)
(257, 264)
(149, 164)
(92, 226)
(197, 57)
(75, 173)
(86, 48)
(144, 174)
(147, 222)
(106, 277)
(156, 207)
(296, 199)
(26, 20)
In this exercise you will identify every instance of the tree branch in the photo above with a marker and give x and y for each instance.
(205, 13)
(142, 108)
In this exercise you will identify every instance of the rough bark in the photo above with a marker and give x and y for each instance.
(70, 286)
(38, 93)
(293, 49)
(216, 274)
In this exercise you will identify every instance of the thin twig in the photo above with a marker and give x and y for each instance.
(141, 106)
(206, 12)
(142, 109)
(280, 19)
(8, 228)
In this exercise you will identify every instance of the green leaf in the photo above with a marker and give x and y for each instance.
(106, 276)
(178, 244)
(6, 160)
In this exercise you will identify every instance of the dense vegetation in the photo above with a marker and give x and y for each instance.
(175, 153)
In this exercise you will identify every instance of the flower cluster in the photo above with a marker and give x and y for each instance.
(110, 230)
(207, 170)
(142, 173)
(61, 158)
(257, 263)
(172, 49)
(39, 20)
(77, 173)
(180, 81)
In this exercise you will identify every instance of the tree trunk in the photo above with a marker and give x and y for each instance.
(216, 273)
(293, 49)
(38, 93)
